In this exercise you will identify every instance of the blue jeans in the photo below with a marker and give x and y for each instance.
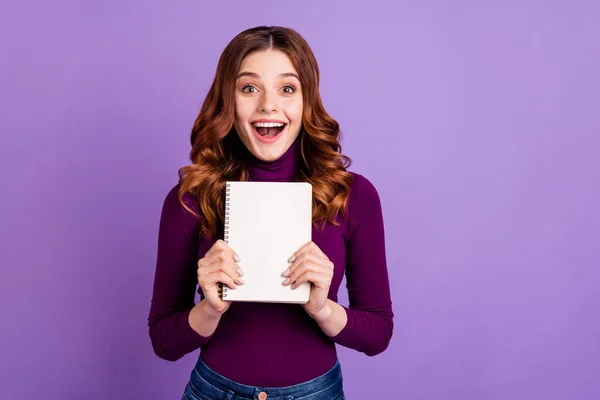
(206, 384)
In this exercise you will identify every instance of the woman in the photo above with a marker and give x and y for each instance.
(263, 120)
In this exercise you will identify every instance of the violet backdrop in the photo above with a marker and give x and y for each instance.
(477, 121)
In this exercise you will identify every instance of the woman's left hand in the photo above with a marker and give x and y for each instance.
(310, 264)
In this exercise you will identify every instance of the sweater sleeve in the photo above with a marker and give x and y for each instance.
(370, 317)
(175, 281)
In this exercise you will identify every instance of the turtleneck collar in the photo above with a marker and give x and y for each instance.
(282, 169)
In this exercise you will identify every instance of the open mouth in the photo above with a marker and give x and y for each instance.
(268, 129)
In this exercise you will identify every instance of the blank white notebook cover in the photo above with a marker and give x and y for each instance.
(265, 223)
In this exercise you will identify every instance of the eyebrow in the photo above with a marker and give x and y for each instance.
(253, 75)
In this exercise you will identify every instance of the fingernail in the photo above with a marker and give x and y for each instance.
(286, 272)
(293, 286)
(239, 270)
(236, 258)
(292, 258)
(286, 281)
(241, 281)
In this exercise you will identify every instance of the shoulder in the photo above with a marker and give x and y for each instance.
(172, 199)
(362, 192)
(174, 212)
(178, 227)
(364, 207)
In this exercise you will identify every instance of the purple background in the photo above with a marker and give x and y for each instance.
(478, 123)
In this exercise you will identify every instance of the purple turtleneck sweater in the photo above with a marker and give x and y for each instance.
(274, 345)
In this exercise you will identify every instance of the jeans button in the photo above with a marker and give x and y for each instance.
(262, 396)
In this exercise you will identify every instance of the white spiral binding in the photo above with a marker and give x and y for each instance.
(223, 288)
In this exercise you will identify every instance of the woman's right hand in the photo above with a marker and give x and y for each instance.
(219, 264)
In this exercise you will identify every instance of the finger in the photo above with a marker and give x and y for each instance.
(306, 268)
(220, 262)
(220, 255)
(220, 276)
(204, 272)
(219, 246)
(233, 270)
(317, 279)
(310, 247)
(304, 257)
(203, 263)
(217, 255)
(230, 268)
(222, 248)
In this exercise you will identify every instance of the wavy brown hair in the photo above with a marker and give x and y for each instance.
(213, 152)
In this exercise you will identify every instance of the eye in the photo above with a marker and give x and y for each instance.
(245, 89)
(289, 89)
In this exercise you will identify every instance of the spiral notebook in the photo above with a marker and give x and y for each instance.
(265, 223)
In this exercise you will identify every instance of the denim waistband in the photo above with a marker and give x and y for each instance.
(327, 386)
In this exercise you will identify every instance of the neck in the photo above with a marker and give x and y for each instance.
(282, 169)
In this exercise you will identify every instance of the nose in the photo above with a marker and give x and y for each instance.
(268, 102)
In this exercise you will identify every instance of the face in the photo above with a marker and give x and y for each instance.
(268, 104)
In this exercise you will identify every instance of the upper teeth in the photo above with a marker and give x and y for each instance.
(268, 124)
